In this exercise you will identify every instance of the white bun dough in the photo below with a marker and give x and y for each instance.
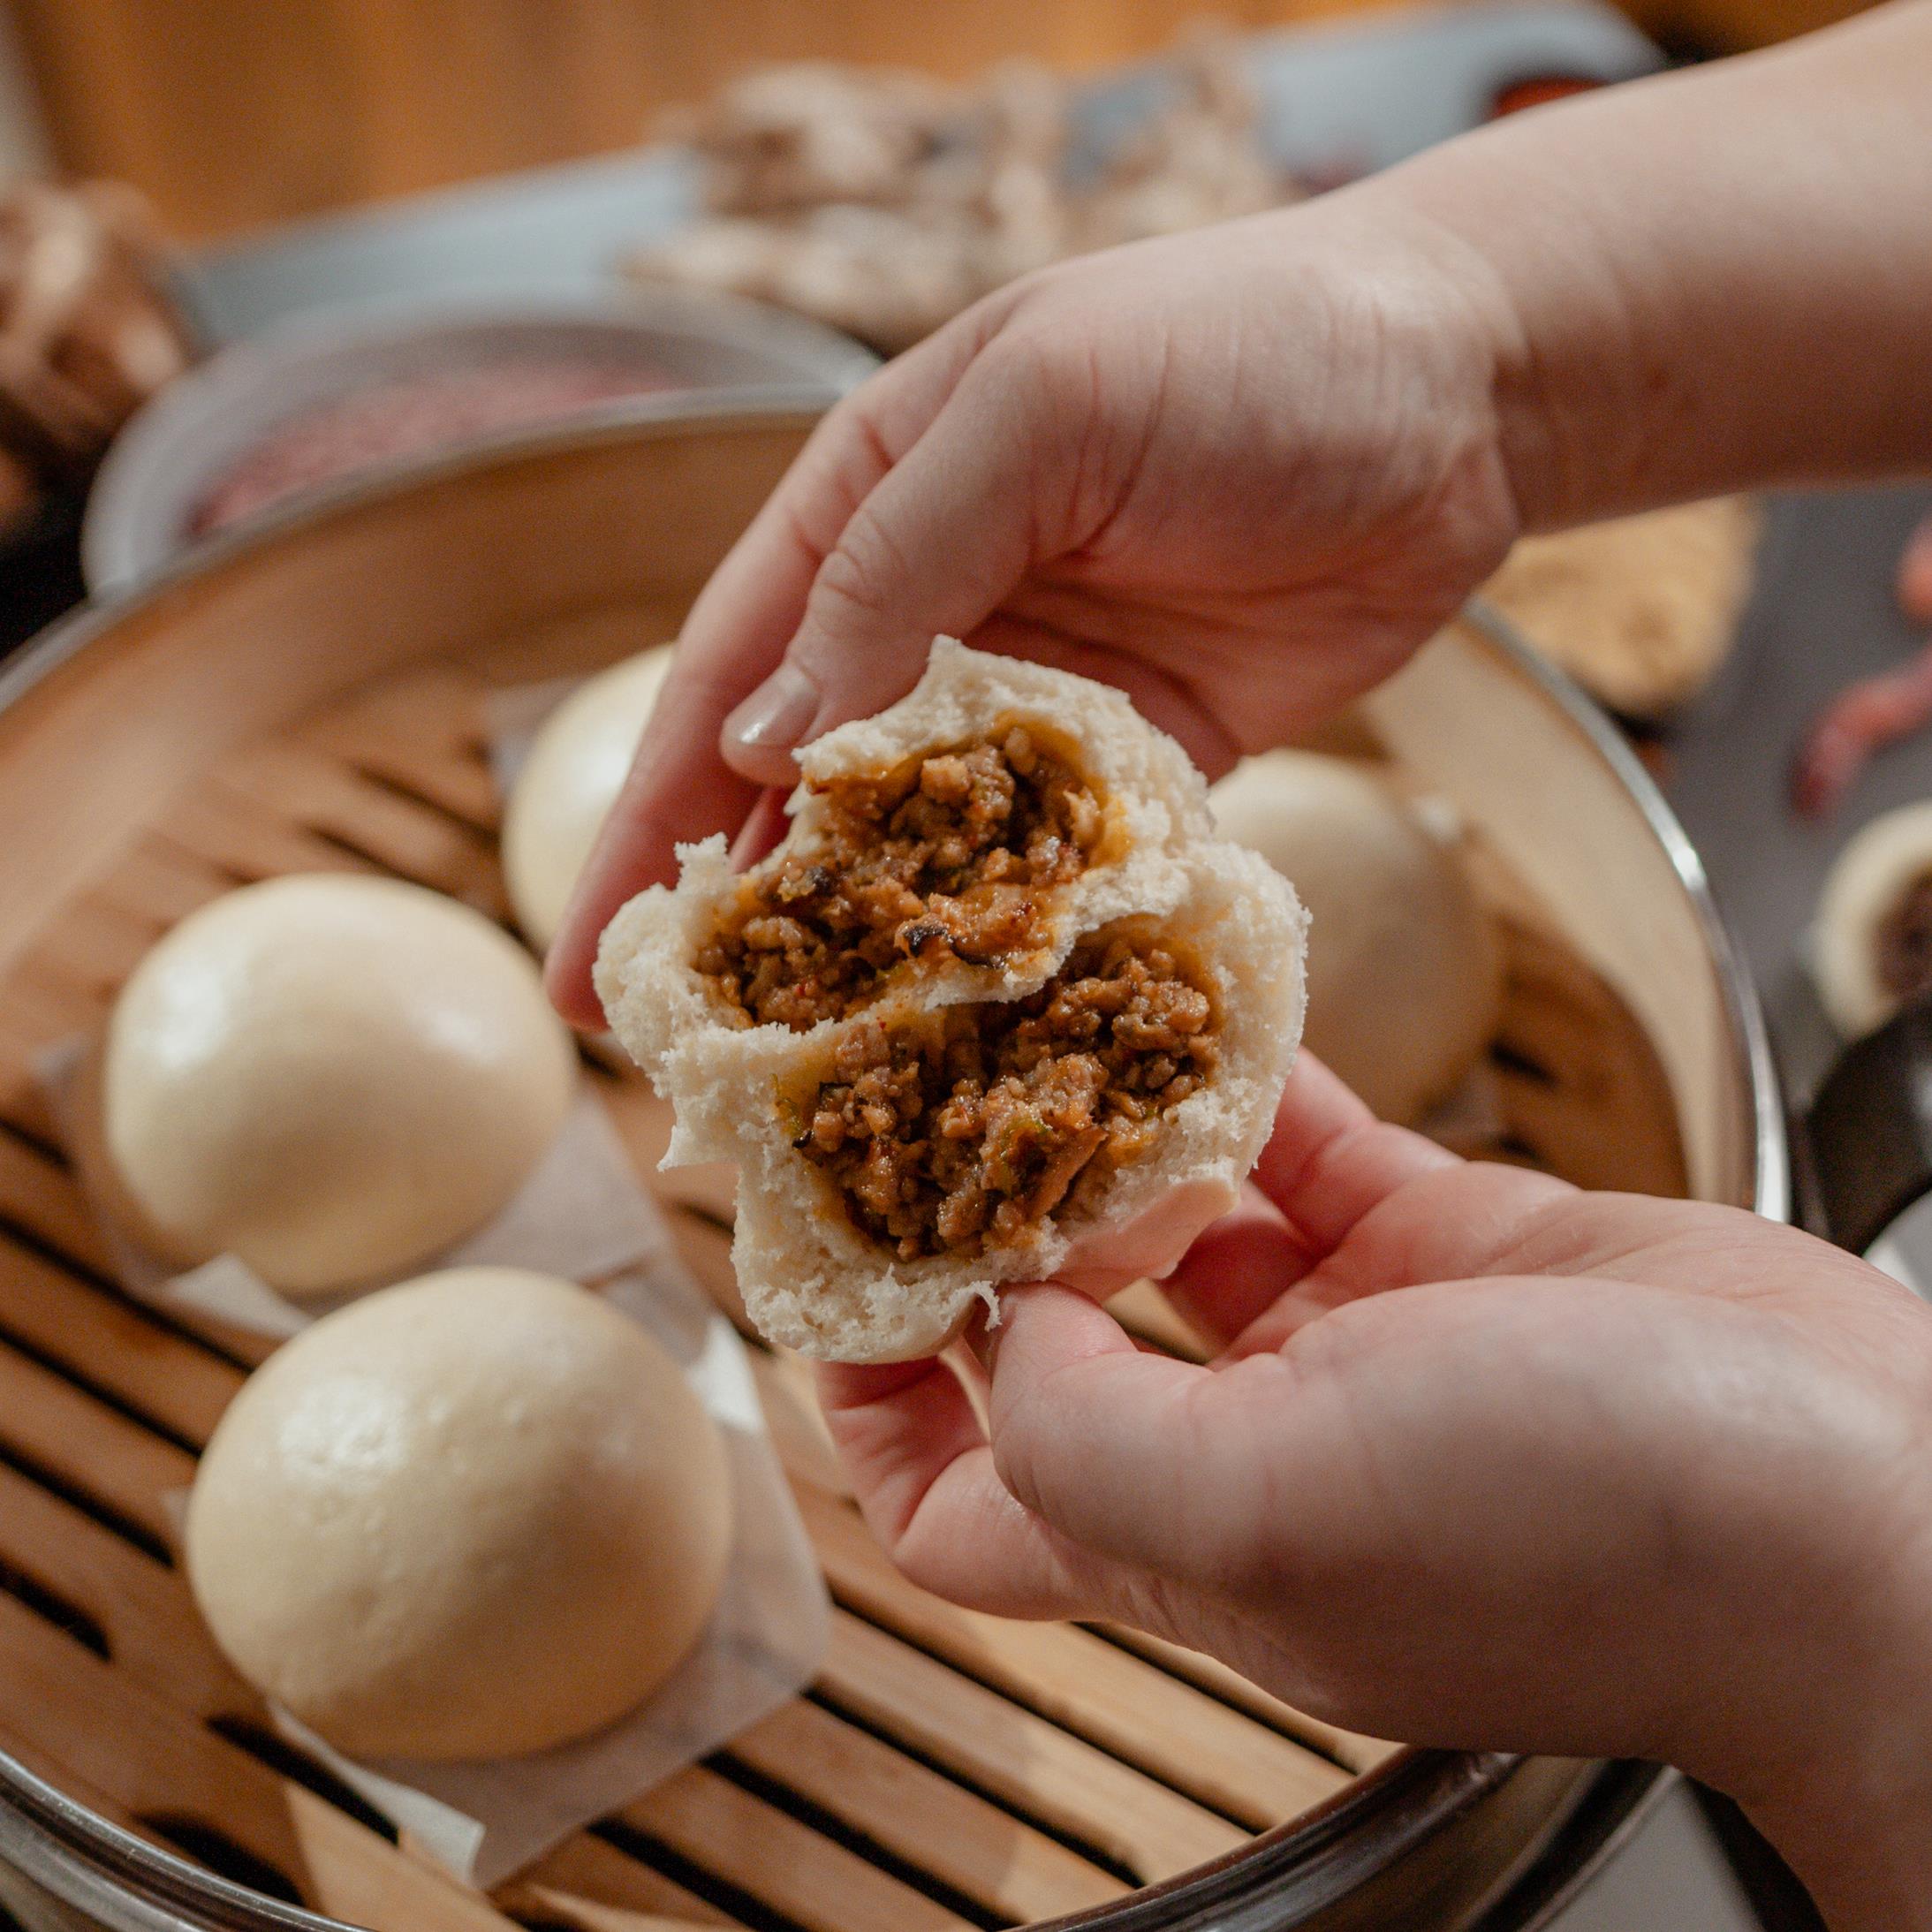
(1404, 977)
(473, 1516)
(576, 768)
(330, 1077)
(1864, 894)
(812, 1279)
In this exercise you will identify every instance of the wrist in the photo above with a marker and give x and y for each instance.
(1713, 279)
(1572, 410)
(1461, 347)
(1848, 1797)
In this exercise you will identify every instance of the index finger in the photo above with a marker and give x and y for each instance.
(679, 789)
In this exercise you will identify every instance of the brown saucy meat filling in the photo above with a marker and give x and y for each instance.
(949, 854)
(956, 1134)
(1904, 943)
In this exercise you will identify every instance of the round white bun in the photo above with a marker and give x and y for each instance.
(1405, 973)
(330, 1077)
(811, 1278)
(576, 768)
(1871, 877)
(471, 1516)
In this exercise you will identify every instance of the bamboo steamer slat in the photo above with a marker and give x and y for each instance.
(317, 700)
(77, 1710)
(921, 1816)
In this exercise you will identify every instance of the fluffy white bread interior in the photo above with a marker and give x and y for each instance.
(1406, 973)
(468, 1516)
(811, 1277)
(662, 1009)
(1877, 872)
(570, 781)
(330, 1077)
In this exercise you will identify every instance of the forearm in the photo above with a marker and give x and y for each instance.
(1708, 281)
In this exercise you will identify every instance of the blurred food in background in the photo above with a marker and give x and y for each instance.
(877, 199)
(1871, 942)
(201, 105)
(271, 418)
(88, 332)
(411, 415)
(1534, 90)
(1915, 575)
(884, 203)
(1870, 713)
(882, 198)
(1641, 611)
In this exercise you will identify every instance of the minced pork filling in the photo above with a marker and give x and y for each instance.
(948, 855)
(1903, 943)
(957, 1133)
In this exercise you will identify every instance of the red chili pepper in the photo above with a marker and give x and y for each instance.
(1873, 712)
(1863, 719)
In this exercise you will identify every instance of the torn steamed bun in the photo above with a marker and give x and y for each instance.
(1001, 1006)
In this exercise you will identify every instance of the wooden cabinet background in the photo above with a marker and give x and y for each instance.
(234, 113)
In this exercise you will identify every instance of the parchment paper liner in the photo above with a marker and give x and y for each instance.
(581, 1214)
(512, 716)
(584, 1215)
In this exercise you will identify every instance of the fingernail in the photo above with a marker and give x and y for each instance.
(776, 715)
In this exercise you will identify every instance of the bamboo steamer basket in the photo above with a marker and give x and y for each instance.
(311, 696)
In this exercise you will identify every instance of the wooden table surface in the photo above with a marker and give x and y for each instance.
(232, 114)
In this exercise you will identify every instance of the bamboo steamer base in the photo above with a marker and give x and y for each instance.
(947, 1769)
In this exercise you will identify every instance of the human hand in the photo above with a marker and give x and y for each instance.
(1487, 1461)
(1241, 473)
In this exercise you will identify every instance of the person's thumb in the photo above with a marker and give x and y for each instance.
(934, 548)
(1158, 1464)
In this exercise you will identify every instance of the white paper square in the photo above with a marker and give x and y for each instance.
(582, 1215)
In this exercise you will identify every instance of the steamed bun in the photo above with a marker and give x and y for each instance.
(330, 1077)
(473, 1516)
(569, 783)
(1405, 973)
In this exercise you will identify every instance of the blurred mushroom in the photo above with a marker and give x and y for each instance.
(884, 203)
(1198, 159)
(86, 334)
(784, 139)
